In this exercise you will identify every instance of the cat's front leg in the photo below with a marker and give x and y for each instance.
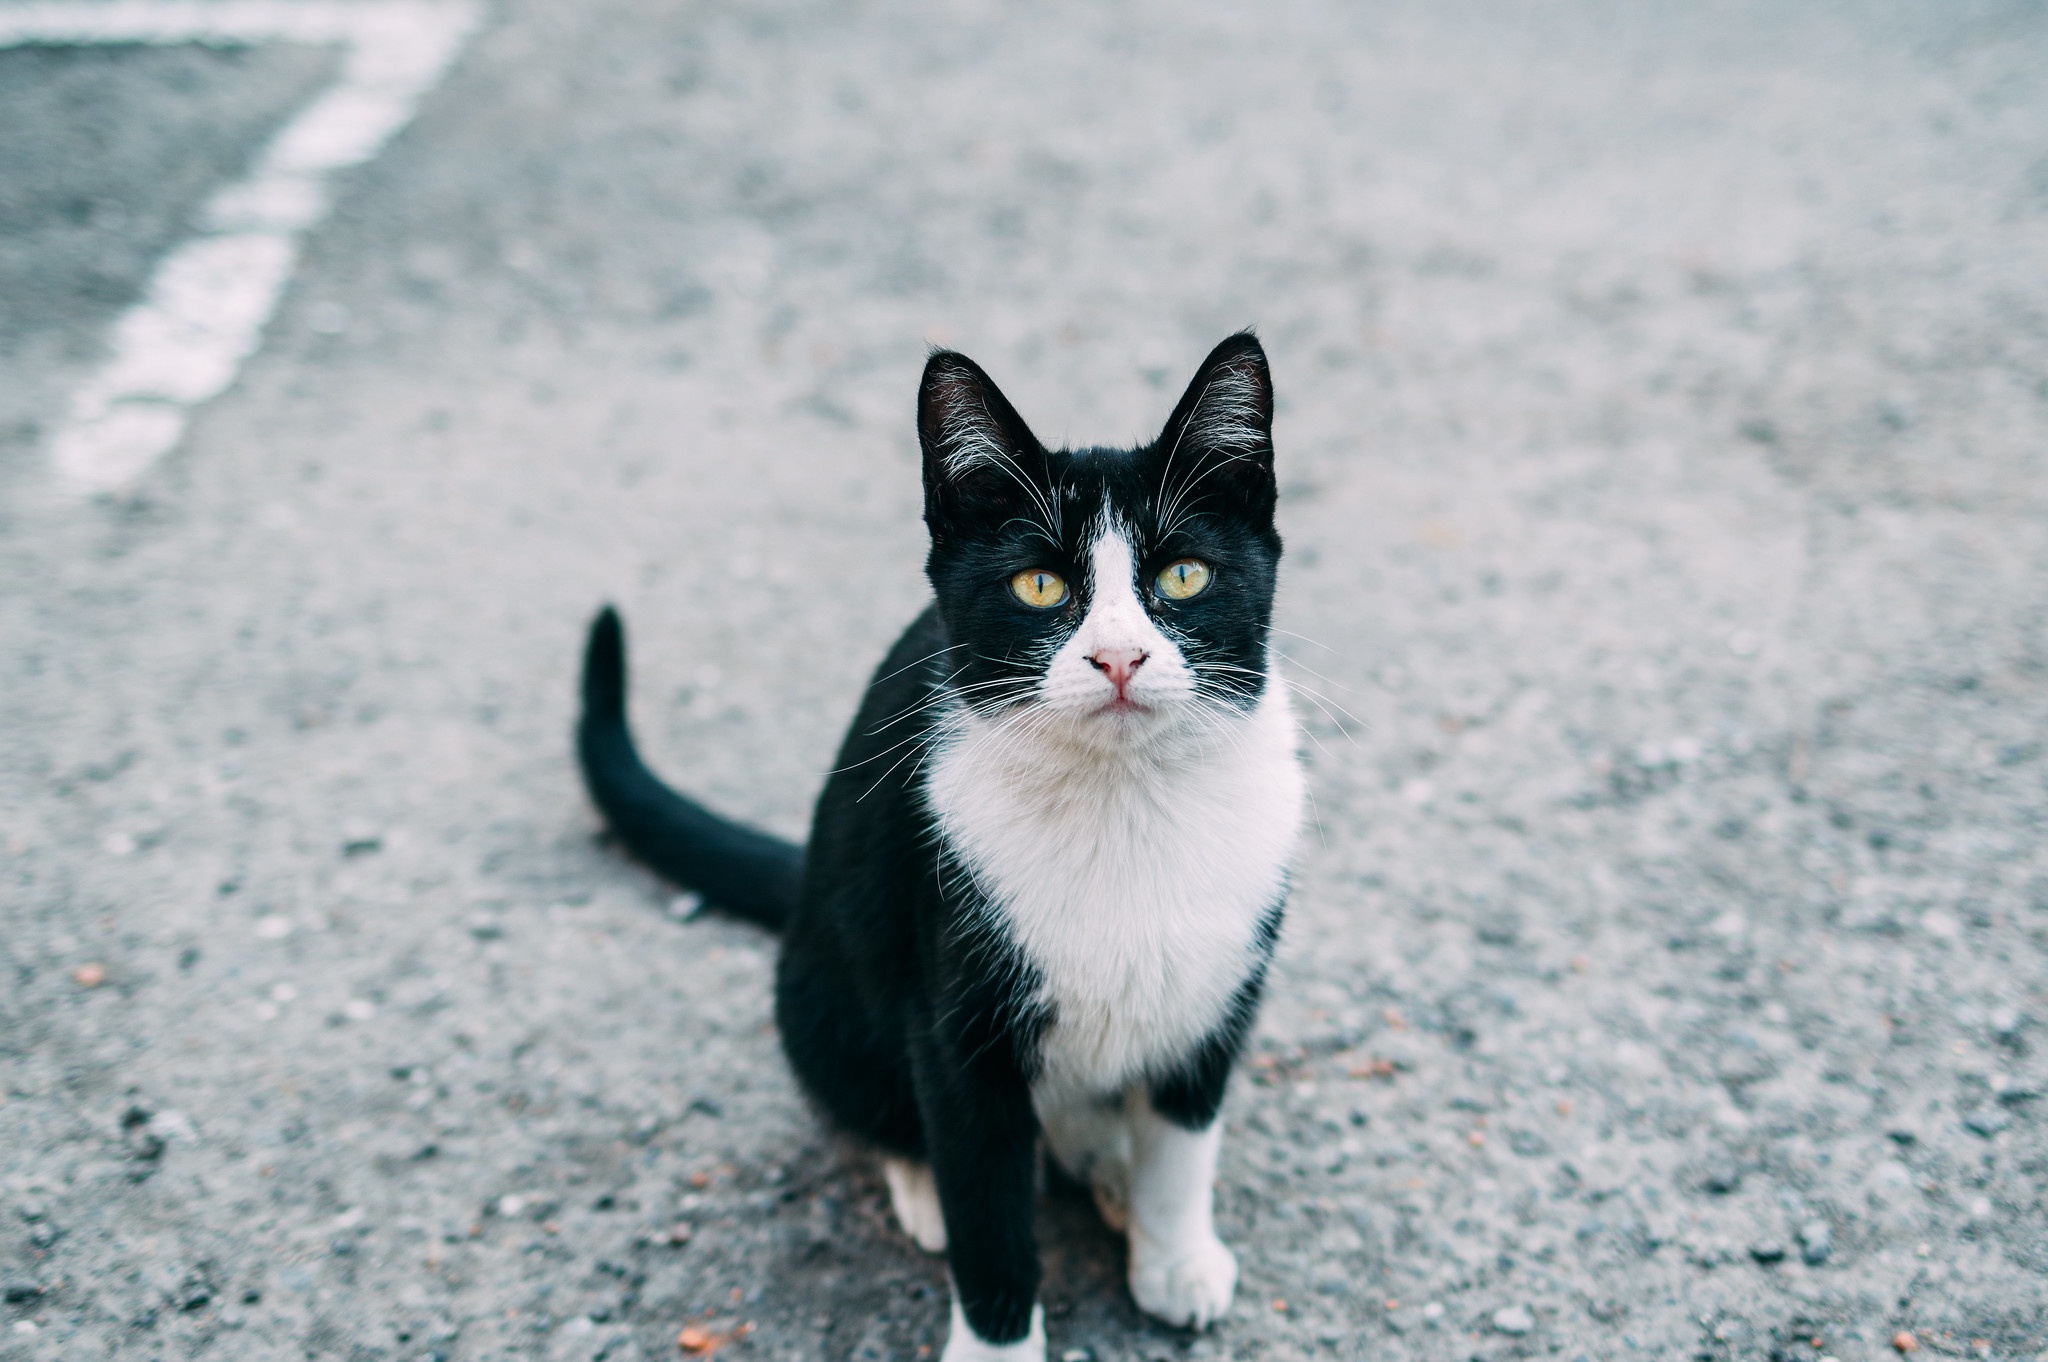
(1179, 1271)
(982, 1137)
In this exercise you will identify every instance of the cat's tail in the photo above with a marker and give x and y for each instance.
(747, 873)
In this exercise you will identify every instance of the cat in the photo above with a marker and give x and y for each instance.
(1045, 877)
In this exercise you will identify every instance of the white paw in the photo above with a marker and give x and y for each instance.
(1188, 1284)
(914, 1195)
(963, 1346)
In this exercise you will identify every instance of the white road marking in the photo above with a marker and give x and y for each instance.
(203, 310)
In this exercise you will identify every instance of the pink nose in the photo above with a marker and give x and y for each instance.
(1119, 665)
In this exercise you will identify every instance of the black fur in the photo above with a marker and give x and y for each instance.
(909, 1024)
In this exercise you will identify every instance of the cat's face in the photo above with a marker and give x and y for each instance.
(1124, 592)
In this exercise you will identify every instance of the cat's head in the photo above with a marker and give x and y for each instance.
(1126, 592)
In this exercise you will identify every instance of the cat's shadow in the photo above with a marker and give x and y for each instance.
(850, 1284)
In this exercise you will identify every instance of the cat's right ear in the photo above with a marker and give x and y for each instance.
(978, 453)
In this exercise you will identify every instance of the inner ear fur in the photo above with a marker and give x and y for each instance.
(1220, 436)
(966, 427)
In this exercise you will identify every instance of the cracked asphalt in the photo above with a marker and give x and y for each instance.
(1664, 436)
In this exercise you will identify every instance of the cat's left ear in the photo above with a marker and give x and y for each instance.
(1219, 439)
(979, 456)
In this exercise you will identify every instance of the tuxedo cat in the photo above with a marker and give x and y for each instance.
(1045, 876)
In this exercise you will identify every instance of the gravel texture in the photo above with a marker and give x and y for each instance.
(1664, 415)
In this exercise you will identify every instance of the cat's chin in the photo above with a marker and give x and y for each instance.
(1128, 725)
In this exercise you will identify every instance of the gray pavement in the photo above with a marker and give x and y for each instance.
(105, 155)
(1664, 425)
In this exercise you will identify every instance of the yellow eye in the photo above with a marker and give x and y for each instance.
(1184, 577)
(1038, 588)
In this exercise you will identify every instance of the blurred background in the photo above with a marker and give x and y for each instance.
(1664, 446)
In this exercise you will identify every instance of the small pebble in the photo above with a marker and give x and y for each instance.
(1515, 1320)
(90, 975)
(1722, 1179)
(1905, 1342)
(1986, 1122)
(1816, 1242)
(274, 927)
(695, 1340)
(1768, 1252)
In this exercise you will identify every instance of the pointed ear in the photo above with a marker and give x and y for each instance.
(978, 453)
(1220, 437)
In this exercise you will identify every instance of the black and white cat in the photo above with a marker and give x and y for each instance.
(1044, 880)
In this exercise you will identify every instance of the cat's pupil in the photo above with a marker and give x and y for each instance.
(1039, 588)
(1178, 581)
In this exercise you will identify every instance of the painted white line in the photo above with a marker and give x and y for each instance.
(203, 310)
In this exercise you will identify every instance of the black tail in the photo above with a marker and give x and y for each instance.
(746, 873)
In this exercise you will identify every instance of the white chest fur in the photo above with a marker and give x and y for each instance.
(1133, 882)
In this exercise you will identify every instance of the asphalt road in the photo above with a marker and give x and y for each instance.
(1664, 433)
